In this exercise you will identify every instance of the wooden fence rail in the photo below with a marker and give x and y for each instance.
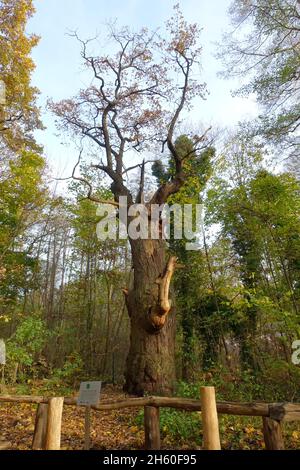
(185, 404)
(273, 415)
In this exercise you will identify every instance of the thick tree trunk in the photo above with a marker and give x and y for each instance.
(151, 359)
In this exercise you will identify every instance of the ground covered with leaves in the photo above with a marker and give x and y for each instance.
(123, 429)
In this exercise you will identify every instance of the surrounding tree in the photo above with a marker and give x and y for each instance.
(259, 213)
(19, 114)
(265, 45)
(22, 196)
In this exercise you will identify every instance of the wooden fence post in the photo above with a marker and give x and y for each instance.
(211, 437)
(40, 427)
(53, 433)
(272, 434)
(152, 428)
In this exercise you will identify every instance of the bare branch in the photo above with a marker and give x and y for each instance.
(129, 105)
(138, 165)
(90, 195)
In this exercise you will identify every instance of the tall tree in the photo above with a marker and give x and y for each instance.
(22, 196)
(258, 214)
(22, 190)
(135, 101)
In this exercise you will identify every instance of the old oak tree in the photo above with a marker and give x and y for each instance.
(133, 105)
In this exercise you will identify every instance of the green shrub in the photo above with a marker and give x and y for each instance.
(24, 346)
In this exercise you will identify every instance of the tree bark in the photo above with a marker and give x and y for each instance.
(151, 359)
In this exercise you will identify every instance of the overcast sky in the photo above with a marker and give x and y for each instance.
(59, 72)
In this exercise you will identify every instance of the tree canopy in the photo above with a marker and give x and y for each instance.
(19, 115)
(265, 46)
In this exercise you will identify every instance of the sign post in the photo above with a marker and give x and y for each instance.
(87, 428)
(89, 395)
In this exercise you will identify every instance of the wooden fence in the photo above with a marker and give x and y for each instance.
(47, 433)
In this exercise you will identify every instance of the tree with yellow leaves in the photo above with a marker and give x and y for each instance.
(19, 114)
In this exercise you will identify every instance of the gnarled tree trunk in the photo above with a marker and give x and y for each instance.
(151, 359)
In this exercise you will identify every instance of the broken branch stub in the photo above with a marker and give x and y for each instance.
(160, 311)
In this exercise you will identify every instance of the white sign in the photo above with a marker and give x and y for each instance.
(89, 394)
(2, 352)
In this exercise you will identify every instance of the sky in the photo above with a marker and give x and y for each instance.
(59, 71)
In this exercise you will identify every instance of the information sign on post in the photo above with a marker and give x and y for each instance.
(89, 395)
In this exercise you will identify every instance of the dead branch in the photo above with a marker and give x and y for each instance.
(158, 314)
